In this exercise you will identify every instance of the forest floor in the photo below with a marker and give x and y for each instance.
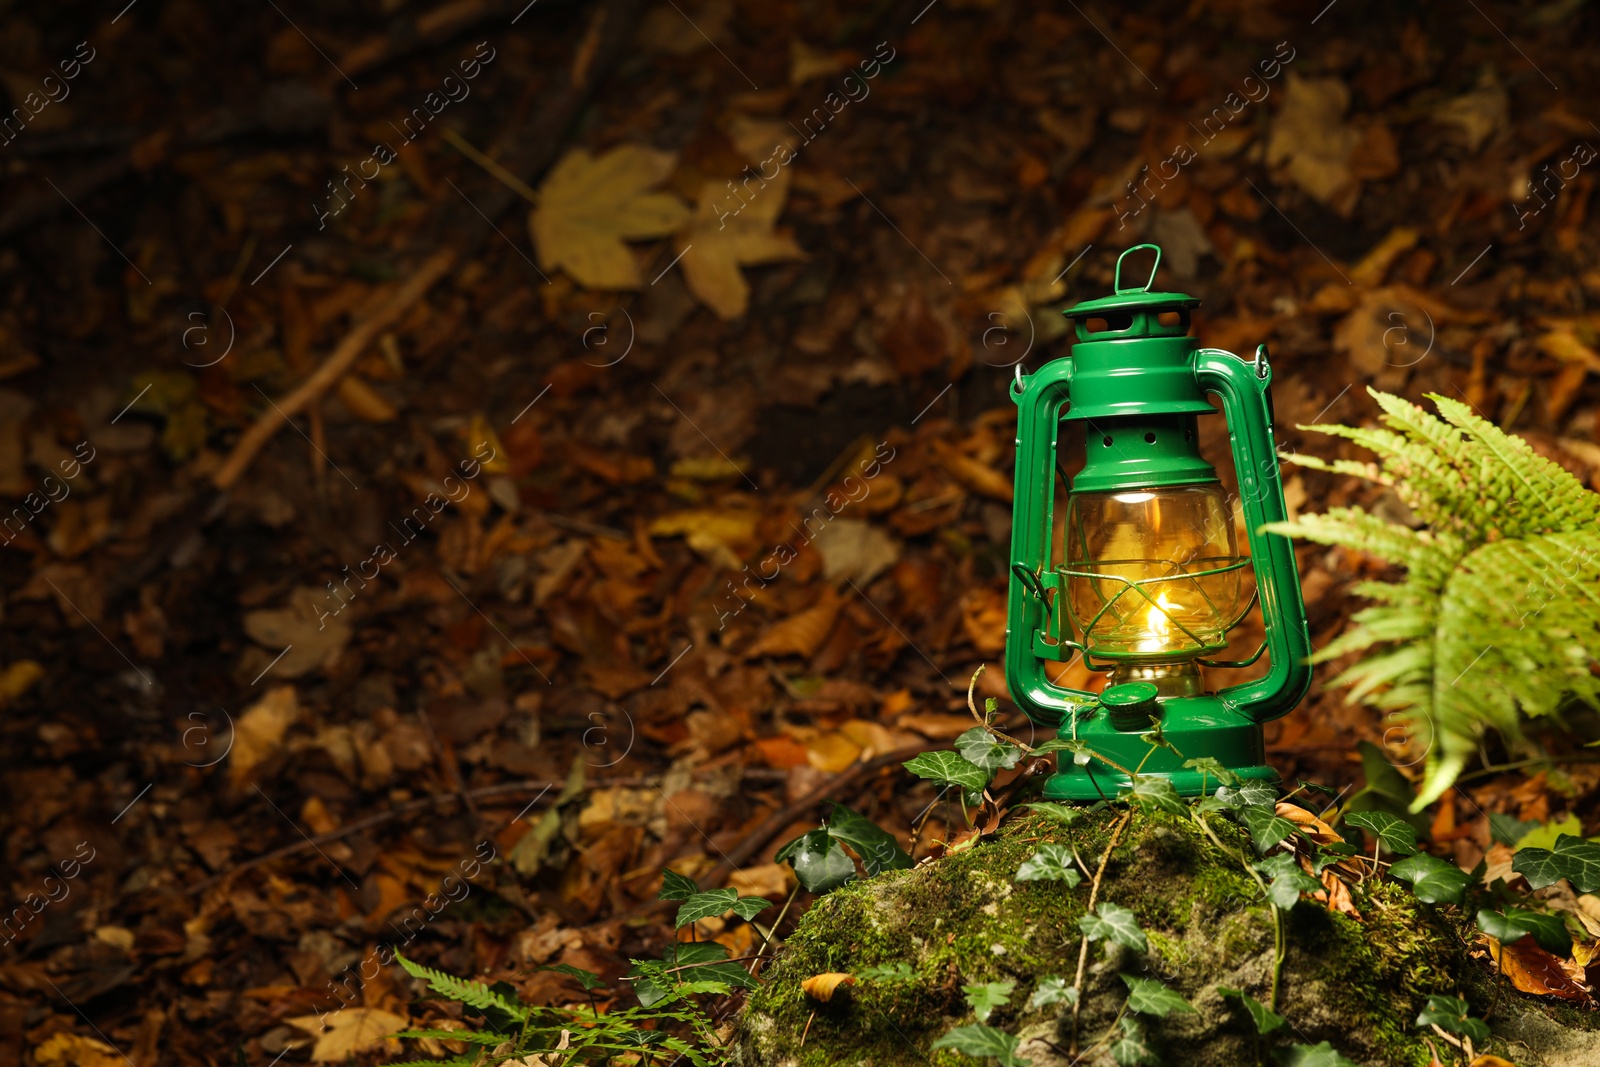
(507, 566)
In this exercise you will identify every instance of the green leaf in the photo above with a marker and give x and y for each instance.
(1112, 922)
(1052, 989)
(982, 749)
(473, 994)
(1052, 863)
(1062, 813)
(588, 979)
(1508, 829)
(1157, 794)
(1386, 789)
(1248, 795)
(748, 908)
(1451, 1015)
(949, 768)
(1394, 834)
(818, 861)
(1502, 928)
(1322, 1055)
(653, 986)
(1147, 996)
(1265, 1018)
(887, 972)
(1266, 828)
(1081, 752)
(1432, 879)
(981, 1041)
(1213, 769)
(1573, 858)
(984, 999)
(878, 849)
(705, 906)
(675, 886)
(1325, 856)
(1132, 1047)
(1288, 880)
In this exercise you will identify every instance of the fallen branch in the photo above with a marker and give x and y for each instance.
(335, 367)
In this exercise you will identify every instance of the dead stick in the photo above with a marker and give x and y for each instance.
(335, 367)
(1083, 948)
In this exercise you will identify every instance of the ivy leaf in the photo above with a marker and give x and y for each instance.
(1508, 829)
(1081, 752)
(982, 1041)
(982, 749)
(653, 986)
(1157, 794)
(1248, 795)
(887, 972)
(1573, 858)
(675, 886)
(948, 767)
(588, 979)
(1396, 835)
(1266, 828)
(1451, 1015)
(1052, 989)
(1326, 855)
(705, 906)
(1062, 813)
(818, 860)
(1112, 922)
(1288, 880)
(984, 999)
(1322, 1055)
(1132, 1047)
(1265, 1018)
(1147, 996)
(1514, 923)
(1432, 879)
(748, 908)
(1052, 863)
(1211, 767)
(878, 849)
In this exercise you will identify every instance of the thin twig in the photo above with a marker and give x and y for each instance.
(1083, 945)
(335, 367)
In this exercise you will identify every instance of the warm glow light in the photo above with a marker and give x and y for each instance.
(1158, 624)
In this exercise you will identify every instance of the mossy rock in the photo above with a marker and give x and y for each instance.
(962, 920)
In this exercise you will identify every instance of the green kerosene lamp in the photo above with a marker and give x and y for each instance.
(1144, 577)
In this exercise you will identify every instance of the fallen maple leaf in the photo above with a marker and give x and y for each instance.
(729, 232)
(821, 986)
(349, 1031)
(590, 204)
(310, 629)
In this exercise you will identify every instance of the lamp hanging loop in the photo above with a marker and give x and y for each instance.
(1145, 288)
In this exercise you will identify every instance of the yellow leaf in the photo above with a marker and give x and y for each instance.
(733, 229)
(832, 752)
(800, 634)
(348, 1032)
(71, 1050)
(365, 402)
(260, 731)
(822, 986)
(18, 678)
(1487, 1060)
(480, 432)
(589, 205)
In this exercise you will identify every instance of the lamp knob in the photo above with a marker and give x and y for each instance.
(1131, 705)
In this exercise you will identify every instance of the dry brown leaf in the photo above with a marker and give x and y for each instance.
(822, 986)
(311, 625)
(801, 634)
(855, 550)
(1487, 1060)
(1376, 263)
(1532, 969)
(1564, 345)
(348, 1032)
(73, 1050)
(17, 678)
(1336, 894)
(259, 731)
(1309, 824)
(979, 477)
(1313, 143)
(983, 619)
(365, 402)
(729, 232)
(590, 204)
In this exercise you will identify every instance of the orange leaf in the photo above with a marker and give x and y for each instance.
(799, 635)
(1314, 828)
(821, 986)
(1534, 970)
(1487, 1060)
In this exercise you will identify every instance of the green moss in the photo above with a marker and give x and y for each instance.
(962, 920)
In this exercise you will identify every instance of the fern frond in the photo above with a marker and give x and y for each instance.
(471, 1037)
(1497, 619)
(473, 994)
